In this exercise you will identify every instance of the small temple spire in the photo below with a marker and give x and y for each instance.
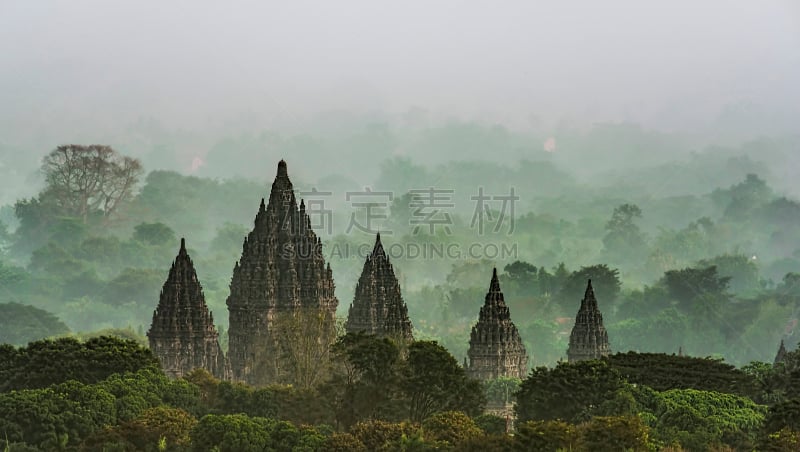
(589, 338)
(182, 335)
(780, 357)
(494, 286)
(495, 347)
(282, 171)
(378, 306)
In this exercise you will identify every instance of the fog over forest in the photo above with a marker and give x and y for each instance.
(594, 206)
(676, 109)
(343, 86)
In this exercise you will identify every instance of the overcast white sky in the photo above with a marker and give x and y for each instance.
(186, 61)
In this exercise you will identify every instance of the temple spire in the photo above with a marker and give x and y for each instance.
(378, 306)
(495, 347)
(279, 273)
(182, 335)
(494, 285)
(589, 338)
(781, 355)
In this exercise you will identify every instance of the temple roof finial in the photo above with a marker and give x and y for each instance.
(282, 171)
(494, 286)
(183, 246)
(378, 248)
(781, 355)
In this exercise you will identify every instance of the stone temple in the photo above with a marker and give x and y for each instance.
(182, 335)
(589, 338)
(780, 357)
(281, 272)
(495, 347)
(378, 307)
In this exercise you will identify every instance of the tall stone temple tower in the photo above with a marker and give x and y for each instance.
(182, 335)
(378, 307)
(495, 348)
(281, 273)
(589, 338)
(781, 355)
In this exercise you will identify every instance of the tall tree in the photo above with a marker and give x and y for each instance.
(604, 279)
(571, 392)
(624, 240)
(20, 324)
(84, 181)
(435, 382)
(740, 269)
(365, 380)
(303, 357)
(690, 285)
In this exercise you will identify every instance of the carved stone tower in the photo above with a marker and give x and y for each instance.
(781, 355)
(495, 348)
(281, 273)
(182, 335)
(589, 338)
(378, 307)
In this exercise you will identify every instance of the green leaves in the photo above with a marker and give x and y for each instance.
(571, 392)
(435, 382)
(663, 372)
(48, 362)
(20, 324)
(155, 234)
(240, 433)
(697, 419)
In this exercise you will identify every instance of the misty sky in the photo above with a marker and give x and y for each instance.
(74, 65)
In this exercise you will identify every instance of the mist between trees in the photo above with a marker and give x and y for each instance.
(713, 273)
(713, 270)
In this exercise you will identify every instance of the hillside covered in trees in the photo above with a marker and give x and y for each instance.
(714, 273)
(678, 305)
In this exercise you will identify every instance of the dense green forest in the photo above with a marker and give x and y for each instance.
(709, 266)
(514, 226)
(109, 394)
(698, 253)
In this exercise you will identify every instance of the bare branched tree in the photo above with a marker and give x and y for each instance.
(89, 180)
(297, 348)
